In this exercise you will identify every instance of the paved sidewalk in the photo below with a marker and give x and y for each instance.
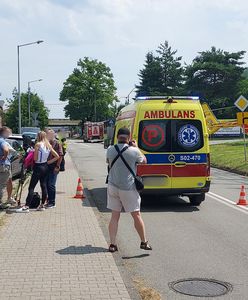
(59, 253)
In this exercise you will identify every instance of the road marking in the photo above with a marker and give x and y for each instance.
(227, 202)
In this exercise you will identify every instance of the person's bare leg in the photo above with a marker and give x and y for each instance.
(113, 226)
(139, 225)
(9, 188)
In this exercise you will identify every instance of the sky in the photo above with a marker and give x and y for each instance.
(116, 32)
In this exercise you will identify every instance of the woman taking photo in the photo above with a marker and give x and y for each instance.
(40, 170)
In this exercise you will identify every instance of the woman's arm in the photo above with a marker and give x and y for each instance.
(55, 156)
(5, 151)
(36, 150)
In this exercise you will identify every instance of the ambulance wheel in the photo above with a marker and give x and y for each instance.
(196, 199)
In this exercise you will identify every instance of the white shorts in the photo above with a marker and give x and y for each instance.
(129, 200)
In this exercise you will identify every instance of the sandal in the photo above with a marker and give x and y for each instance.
(113, 248)
(145, 246)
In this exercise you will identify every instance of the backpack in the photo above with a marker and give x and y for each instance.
(35, 202)
(29, 160)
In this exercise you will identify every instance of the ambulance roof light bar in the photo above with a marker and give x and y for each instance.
(168, 98)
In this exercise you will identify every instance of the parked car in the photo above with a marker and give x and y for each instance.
(16, 160)
(16, 137)
(31, 135)
(24, 139)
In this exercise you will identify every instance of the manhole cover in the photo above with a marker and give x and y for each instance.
(201, 287)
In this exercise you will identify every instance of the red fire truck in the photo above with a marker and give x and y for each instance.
(93, 132)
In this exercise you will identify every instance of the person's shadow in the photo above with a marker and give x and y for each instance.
(136, 256)
(81, 250)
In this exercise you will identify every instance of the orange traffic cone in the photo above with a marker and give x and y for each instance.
(80, 190)
(242, 197)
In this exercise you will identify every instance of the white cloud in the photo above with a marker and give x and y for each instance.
(118, 32)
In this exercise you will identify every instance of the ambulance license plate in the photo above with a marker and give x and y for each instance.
(155, 181)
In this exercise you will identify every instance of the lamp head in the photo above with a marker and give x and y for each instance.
(40, 41)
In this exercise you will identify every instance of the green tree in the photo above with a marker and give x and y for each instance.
(162, 73)
(172, 70)
(243, 87)
(150, 76)
(37, 106)
(215, 75)
(90, 86)
(245, 73)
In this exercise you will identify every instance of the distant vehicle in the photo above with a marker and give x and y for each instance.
(93, 132)
(30, 129)
(16, 161)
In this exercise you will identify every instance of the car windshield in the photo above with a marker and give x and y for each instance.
(170, 135)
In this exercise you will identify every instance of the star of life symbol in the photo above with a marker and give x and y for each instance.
(188, 136)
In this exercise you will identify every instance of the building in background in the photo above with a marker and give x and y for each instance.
(65, 127)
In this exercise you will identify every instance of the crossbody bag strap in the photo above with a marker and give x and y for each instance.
(125, 162)
(115, 159)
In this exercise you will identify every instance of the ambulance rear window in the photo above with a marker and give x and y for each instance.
(170, 135)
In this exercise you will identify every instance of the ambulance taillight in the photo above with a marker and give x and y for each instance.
(208, 165)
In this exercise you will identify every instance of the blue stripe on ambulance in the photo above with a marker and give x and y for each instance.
(162, 158)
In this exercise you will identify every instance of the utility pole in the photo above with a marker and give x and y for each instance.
(29, 101)
(19, 81)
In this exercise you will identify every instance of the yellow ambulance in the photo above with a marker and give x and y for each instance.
(172, 134)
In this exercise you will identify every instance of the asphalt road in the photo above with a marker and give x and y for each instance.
(209, 241)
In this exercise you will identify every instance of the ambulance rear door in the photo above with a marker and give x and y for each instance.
(188, 154)
(155, 142)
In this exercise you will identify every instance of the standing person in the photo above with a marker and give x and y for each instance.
(42, 151)
(64, 147)
(5, 166)
(53, 169)
(121, 187)
(11, 200)
(12, 153)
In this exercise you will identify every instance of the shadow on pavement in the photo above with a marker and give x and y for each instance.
(166, 204)
(60, 193)
(79, 250)
(135, 256)
(153, 203)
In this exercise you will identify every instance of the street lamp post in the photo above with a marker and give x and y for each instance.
(29, 103)
(19, 84)
(127, 98)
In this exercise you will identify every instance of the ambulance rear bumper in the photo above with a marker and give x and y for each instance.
(178, 192)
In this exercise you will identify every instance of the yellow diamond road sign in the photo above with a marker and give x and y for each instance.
(241, 103)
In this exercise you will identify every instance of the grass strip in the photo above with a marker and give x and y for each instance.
(229, 157)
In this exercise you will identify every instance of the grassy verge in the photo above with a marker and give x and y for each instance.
(229, 157)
